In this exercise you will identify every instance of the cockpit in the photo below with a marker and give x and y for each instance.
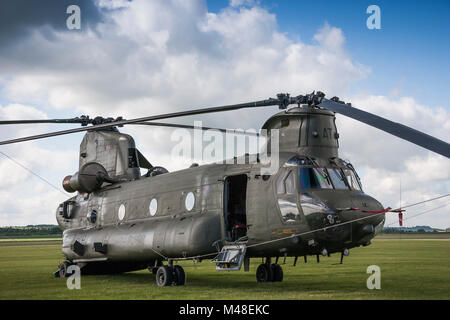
(328, 178)
(302, 177)
(313, 176)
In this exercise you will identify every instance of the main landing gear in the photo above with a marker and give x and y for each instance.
(170, 276)
(268, 272)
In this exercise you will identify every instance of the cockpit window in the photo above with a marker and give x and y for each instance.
(290, 183)
(286, 183)
(352, 180)
(287, 197)
(299, 161)
(314, 178)
(338, 179)
(280, 183)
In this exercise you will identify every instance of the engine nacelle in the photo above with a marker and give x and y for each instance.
(89, 179)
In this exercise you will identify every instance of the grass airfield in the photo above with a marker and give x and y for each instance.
(410, 269)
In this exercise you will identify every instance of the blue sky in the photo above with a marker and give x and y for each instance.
(410, 53)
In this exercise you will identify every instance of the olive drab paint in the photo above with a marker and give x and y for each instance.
(125, 235)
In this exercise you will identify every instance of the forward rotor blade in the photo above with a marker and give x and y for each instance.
(421, 139)
(174, 125)
(256, 104)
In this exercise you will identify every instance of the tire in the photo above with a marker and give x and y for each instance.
(179, 276)
(277, 273)
(264, 273)
(164, 276)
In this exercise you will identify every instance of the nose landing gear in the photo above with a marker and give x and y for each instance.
(345, 252)
(62, 271)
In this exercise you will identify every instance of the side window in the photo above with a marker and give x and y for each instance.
(290, 183)
(189, 201)
(286, 183)
(153, 207)
(288, 208)
(287, 197)
(280, 183)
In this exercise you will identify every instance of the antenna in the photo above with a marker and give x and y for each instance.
(400, 210)
(400, 213)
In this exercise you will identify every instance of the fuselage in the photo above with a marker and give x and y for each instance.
(193, 212)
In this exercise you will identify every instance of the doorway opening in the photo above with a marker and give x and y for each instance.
(234, 210)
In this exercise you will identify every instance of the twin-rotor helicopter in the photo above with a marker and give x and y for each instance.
(314, 204)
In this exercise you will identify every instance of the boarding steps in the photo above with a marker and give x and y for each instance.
(230, 258)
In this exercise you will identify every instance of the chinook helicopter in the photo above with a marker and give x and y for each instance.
(312, 205)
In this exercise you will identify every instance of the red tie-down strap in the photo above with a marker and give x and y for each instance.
(379, 211)
(400, 216)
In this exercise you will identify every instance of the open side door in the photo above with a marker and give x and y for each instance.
(234, 208)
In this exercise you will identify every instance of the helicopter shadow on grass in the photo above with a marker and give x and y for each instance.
(245, 284)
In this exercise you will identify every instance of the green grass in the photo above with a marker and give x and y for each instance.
(410, 269)
(428, 235)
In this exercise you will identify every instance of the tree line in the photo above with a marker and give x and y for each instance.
(31, 230)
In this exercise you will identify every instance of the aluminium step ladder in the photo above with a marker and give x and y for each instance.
(230, 258)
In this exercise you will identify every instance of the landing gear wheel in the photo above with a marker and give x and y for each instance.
(264, 273)
(164, 276)
(62, 272)
(179, 275)
(277, 273)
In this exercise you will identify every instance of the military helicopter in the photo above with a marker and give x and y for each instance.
(314, 204)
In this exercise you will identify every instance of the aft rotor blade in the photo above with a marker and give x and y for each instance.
(175, 125)
(419, 138)
(256, 104)
(72, 120)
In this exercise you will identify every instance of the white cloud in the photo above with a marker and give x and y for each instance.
(238, 3)
(385, 161)
(170, 52)
(24, 197)
(330, 37)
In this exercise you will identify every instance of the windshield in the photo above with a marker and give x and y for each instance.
(314, 178)
(353, 181)
(328, 178)
(338, 179)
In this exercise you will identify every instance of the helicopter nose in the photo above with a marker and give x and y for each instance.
(370, 210)
(370, 218)
(366, 214)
